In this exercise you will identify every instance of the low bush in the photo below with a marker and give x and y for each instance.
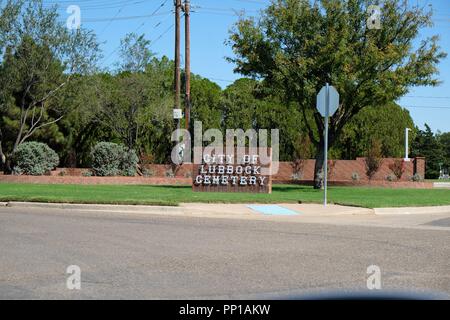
(111, 159)
(148, 172)
(373, 159)
(416, 178)
(398, 168)
(34, 158)
(355, 176)
(391, 177)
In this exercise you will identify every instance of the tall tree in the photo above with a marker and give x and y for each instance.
(426, 144)
(246, 105)
(40, 57)
(136, 104)
(444, 140)
(205, 102)
(299, 45)
(135, 53)
(385, 123)
(239, 105)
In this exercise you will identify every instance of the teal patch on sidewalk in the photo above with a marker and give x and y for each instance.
(273, 210)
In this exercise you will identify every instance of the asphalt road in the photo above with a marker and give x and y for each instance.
(161, 257)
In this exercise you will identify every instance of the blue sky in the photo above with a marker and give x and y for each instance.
(211, 21)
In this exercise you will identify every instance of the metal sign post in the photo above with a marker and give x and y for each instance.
(327, 105)
(407, 144)
(325, 170)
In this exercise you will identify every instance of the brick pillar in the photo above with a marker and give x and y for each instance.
(419, 166)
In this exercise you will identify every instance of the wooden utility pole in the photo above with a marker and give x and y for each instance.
(187, 20)
(177, 4)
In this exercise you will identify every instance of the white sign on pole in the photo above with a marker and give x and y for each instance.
(334, 101)
(177, 114)
(327, 105)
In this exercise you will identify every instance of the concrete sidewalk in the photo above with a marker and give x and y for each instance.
(206, 209)
(244, 211)
(445, 185)
(300, 209)
(413, 210)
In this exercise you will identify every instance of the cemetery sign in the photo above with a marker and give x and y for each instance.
(234, 172)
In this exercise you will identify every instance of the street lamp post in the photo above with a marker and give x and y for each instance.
(407, 144)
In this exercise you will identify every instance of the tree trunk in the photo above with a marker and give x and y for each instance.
(6, 165)
(4, 160)
(2, 156)
(318, 168)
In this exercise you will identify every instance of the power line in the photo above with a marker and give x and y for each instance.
(125, 18)
(428, 107)
(426, 97)
(96, 6)
(155, 12)
(254, 1)
(110, 21)
(162, 34)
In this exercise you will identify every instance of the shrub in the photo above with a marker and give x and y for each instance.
(302, 151)
(416, 177)
(34, 158)
(398, 168)
(355, 176)
(148, 172)
(111, 159)
(296, 176)
(391, 178)
(373, 159)
(87, 173)
(330, 168)
(129, 163)
(169, 173)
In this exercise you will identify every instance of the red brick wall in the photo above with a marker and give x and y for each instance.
(341, 173)
(419, 164)
(343, 170)
(94, 180)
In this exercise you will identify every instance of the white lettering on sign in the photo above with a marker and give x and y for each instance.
(220, 170)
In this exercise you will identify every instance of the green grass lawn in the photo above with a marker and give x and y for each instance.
(172, 195)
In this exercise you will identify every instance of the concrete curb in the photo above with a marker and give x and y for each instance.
(230, 210)
(98, 207)
(412, 210)
(441, 185)
(200, 209)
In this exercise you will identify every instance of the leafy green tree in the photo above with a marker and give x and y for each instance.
(40, 58)
(246, 105)
(299, 45)
(385, 123)
(444, 140)
(205, 102)
(137, 97)
(135, 53)
(426, 144)
(272, 113)
(373, 158)
(157, 135)
(239, 105)
(79, 130)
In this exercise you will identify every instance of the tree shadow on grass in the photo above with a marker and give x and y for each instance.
(296, 188)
